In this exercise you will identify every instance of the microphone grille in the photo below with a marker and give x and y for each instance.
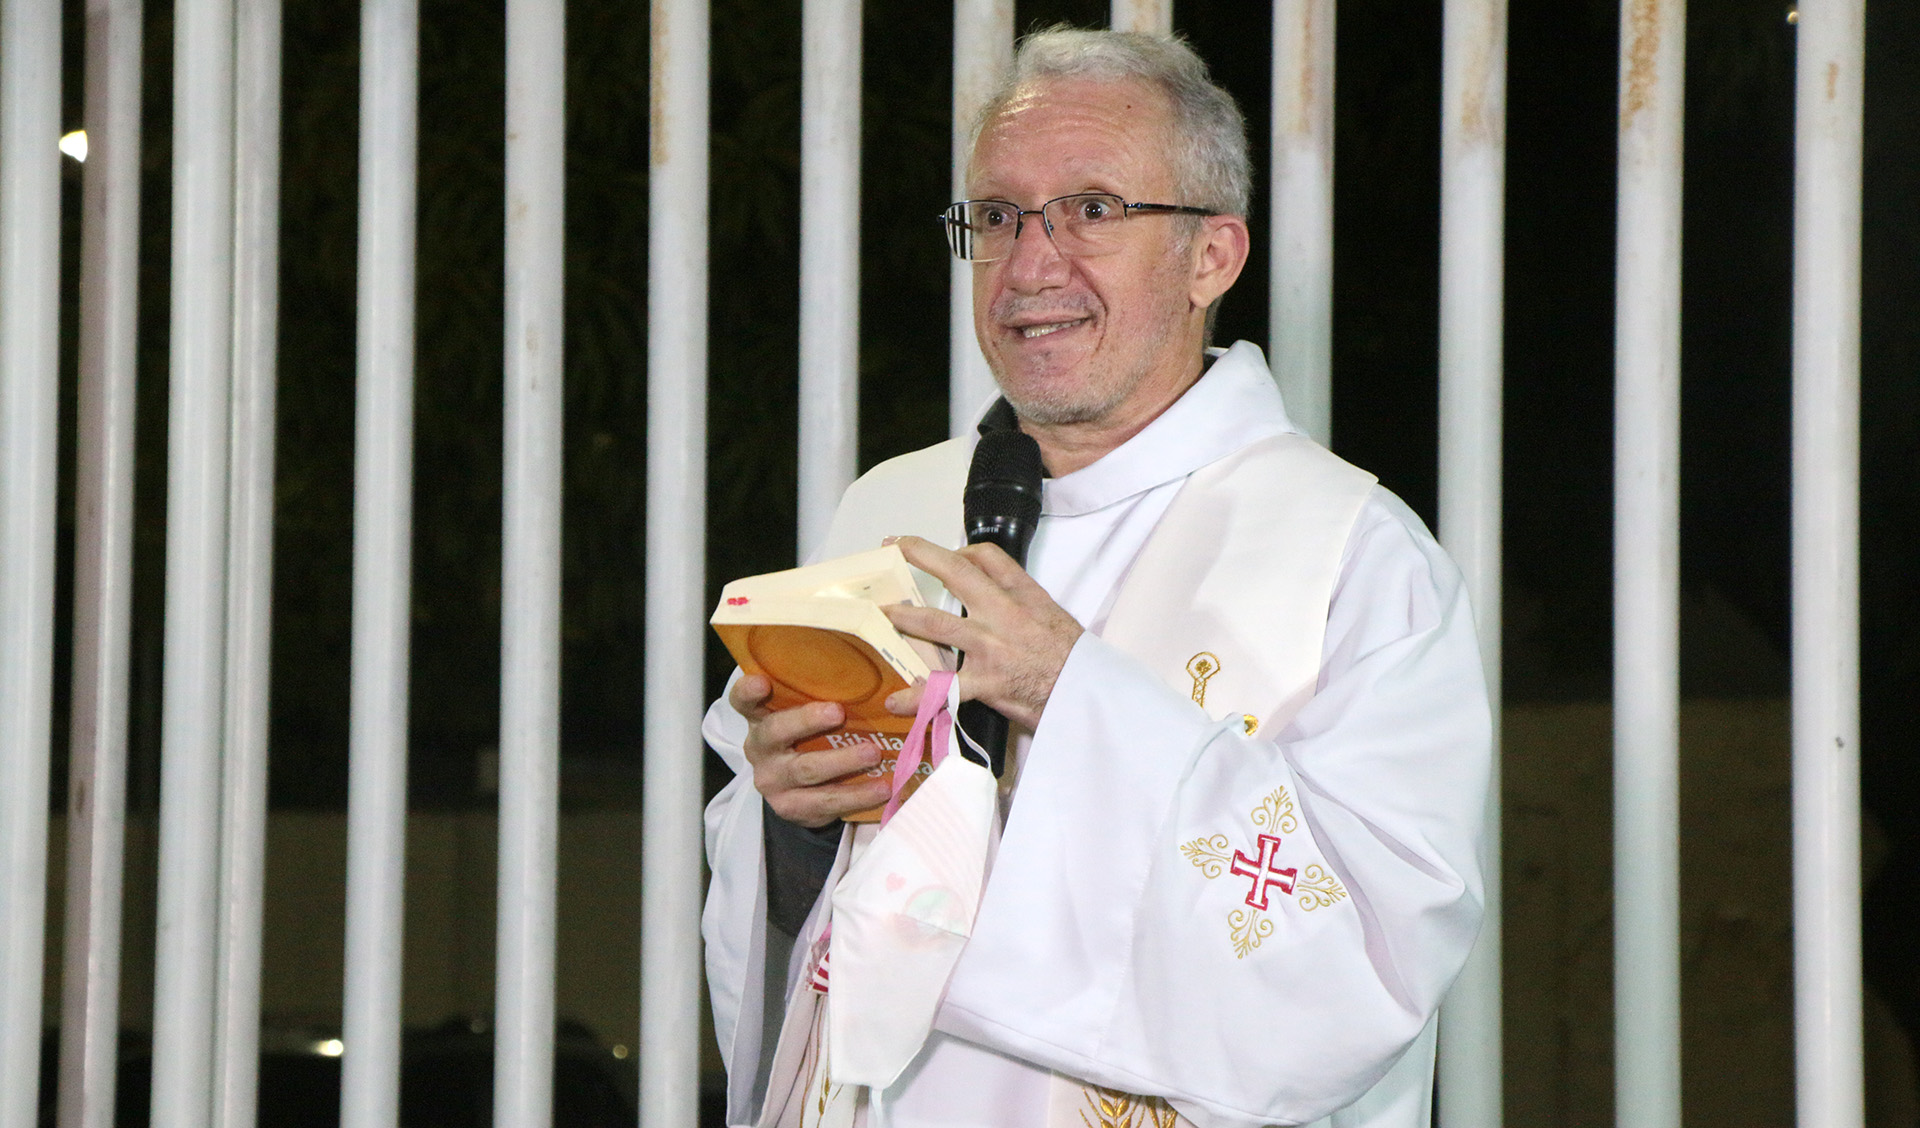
(1007, 456)
(1002, 500)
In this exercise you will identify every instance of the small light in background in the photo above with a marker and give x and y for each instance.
(619, 1052)
(1793, 15)
(75, 145)
(332, 1047)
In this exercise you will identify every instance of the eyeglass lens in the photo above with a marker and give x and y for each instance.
(1086, 224)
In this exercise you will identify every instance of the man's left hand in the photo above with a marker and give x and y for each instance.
(1015, 637)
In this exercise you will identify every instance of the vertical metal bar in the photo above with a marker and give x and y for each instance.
(1646, 595)
(382, 557)
(1826, 564)
(829, 260)
(191, 727)
(982, 49)
(1152, 16)
(29, 398)
(1472, 274)
(670, 879)
(1300, 341)
(530, 570)
(103, 566)
(243, 830)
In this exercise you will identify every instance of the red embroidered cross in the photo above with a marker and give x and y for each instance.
(1263, 872)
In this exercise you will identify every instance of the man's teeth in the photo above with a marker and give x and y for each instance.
(1032, 331)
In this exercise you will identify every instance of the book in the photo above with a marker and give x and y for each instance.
(817, 634)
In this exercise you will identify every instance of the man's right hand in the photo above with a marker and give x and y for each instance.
(808, 789)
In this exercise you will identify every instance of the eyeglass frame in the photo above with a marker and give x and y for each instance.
(1020, 223)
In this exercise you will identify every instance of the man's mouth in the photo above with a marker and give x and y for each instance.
(1032, 331)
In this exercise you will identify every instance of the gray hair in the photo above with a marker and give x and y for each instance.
(1208, 135)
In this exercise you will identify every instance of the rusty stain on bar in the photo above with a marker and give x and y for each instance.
(1304, 50)
(1477, 123)
(1301, 122)
(1473, 104)
(1308, 77)
(1642, 66)
(657, 111)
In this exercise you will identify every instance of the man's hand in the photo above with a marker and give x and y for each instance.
(805, 788)
(1015, 637)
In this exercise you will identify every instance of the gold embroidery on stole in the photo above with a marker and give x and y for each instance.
(1214, 855)
(1201, 667)
(1110, 1108)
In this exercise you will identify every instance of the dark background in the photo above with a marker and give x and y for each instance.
(1559, 364)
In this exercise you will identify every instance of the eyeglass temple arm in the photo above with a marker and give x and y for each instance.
(1181, 209)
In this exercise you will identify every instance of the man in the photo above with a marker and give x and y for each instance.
(1239, 864)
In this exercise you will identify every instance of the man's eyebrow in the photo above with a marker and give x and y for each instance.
(1101, 187)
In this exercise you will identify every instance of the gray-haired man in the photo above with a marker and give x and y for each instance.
(1239, 863)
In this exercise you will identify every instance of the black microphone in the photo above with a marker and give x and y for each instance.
(1001, 506)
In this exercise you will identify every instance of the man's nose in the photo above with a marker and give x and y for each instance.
(1035, 263)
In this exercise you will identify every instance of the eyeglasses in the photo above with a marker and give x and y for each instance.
(1083, 224)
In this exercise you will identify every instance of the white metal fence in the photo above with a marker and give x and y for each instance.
(220, 444)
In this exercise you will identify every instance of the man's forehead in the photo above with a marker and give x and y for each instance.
(1135, 92)
(1087, 123)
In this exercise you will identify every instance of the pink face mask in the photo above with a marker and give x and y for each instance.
(905, 907)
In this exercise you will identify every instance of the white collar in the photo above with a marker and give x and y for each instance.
(1234, 403)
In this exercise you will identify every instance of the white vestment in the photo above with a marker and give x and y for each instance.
(1254, 928)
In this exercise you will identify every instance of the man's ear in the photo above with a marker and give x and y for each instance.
(1220, 251)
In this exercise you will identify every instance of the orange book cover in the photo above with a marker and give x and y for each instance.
(818, 634)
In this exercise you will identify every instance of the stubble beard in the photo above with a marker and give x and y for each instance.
(1100, 389)
(1067, 403)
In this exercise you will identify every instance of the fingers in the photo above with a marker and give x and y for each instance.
(906, 702)
(933, 625)
(993, 560)
(775, 733)
(982, 577)
(825, 765)
(1015, 637)
(808, 788)
(974, 574)
(749, 696)
(821, 804)
(814, 788)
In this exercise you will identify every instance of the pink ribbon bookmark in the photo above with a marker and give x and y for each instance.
(932, 715)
